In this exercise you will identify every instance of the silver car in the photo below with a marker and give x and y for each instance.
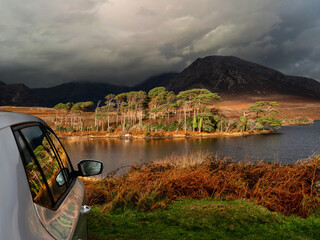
(41, 195)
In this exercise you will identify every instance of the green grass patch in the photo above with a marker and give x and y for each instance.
(202, 219)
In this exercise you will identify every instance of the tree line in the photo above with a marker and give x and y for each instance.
(159, 109)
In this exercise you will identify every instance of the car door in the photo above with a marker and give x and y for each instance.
(58, 196)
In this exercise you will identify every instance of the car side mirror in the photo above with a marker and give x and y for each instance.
(89, 168)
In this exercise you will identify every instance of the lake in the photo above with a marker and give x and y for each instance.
(290, 144)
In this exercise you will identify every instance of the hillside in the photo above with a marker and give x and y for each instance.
(155, 81)
(78, 91)
(18, 95)
(234, 76)
(231, 77)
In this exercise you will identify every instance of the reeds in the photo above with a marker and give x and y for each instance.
(288, 189)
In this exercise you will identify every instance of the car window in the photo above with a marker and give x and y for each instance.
(37, 185)
(47, 159)
(60, 150)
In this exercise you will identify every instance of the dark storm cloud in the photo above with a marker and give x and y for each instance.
(296, 41)
(44, 43)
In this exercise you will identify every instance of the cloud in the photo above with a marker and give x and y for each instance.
(44, 43)
(248, 30)
(146, 12)
(305, 52)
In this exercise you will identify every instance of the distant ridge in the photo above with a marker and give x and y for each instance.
(92, 91)
(18, 95)
(155, 81)
(226, 75)
(234, 76)
(77, 92)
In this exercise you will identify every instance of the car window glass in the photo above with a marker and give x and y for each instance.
(46, 158)
(61, 152)
(38, 188)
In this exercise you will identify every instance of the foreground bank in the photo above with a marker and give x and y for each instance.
(206, 197)
(287, 189)
(202, 219)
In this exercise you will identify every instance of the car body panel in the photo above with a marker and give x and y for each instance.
(21, 220)
(63, 222)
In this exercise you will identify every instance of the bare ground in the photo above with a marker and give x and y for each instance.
(290, 107)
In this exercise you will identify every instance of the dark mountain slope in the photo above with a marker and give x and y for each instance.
(18, 95)
(90, 91)
(228, 76)
(234, 76)
(156, 81)
(77, 92)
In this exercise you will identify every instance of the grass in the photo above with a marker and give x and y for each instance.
(201, 219)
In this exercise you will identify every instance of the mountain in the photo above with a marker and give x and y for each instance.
(234, 76)
(155, 81)
(77, 92)
(92, 91)
(18, 95)
(226, 75)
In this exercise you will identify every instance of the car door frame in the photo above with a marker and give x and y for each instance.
(74, 195)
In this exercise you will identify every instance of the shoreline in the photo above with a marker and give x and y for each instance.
(172, 135)
(168, 136)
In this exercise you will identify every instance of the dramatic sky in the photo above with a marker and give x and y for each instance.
(48, 42)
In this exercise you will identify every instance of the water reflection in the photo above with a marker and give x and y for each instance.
(287, 146)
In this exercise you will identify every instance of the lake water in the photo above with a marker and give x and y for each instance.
(290, 144)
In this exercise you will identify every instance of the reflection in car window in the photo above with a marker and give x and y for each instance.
(62, 154)
(46, 158)
(38, 188)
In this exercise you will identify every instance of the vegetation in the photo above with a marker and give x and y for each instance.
(72, 115)
(297, 121)
(207, 197)
(192, 110)
(287, 189)
(202, 219)
(266, 113)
